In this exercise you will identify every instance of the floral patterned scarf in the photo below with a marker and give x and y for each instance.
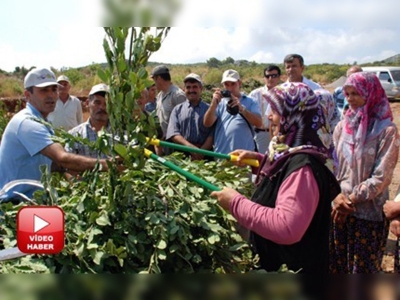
(303, 127)
(368, 121)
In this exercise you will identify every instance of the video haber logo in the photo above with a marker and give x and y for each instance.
(40, 229)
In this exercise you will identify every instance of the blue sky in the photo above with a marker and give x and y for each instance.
(69, 33)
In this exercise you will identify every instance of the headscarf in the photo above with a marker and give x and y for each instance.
(302, 127)
(365, 122)
(329, 107)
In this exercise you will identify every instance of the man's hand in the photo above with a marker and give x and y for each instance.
(217, 96)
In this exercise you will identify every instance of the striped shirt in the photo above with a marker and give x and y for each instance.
(187, 120)
(85, 130)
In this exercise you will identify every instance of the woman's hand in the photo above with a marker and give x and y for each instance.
(243, 154)
(342, 206)
(391, 209)
(225, 196)
(395, 227)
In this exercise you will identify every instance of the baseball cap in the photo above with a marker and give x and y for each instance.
(101, 87)
(63, 78)
(194, 77)
(230, 75)
(39, 78)
(159, 70)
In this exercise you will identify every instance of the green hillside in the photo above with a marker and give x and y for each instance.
(11, 84)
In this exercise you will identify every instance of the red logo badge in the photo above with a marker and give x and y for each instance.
(40, 229)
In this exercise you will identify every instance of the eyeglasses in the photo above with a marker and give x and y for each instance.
(271, 75)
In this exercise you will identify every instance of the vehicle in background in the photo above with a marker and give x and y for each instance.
(389, 78)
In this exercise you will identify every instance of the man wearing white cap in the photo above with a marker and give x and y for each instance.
(185, 125)
(235, 116)
(27, 142)
(68, 111)
(97, 120)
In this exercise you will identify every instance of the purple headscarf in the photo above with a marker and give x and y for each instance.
(303, 127)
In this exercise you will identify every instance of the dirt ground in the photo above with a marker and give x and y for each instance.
(396, 175)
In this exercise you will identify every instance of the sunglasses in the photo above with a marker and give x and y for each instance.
(272, 75)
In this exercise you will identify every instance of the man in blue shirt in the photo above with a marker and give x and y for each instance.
(27, 142)
(185, 125)
(233, 130)
(151, 105)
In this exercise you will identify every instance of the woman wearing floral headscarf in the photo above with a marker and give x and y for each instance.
(329, 106)
(288, 216)
(367, 146)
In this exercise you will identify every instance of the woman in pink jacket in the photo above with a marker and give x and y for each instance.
(288, 215)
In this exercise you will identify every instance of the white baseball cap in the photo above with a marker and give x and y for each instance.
(101, 87)
(39, 78)
(194, 77)
(230, 75)
(63, 78)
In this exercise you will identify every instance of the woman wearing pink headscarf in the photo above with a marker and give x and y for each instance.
(367, 144)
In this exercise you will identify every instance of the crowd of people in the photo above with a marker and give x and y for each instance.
(321, 200)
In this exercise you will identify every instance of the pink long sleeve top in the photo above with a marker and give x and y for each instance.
(295, 206)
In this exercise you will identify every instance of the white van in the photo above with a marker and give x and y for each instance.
(389, 77)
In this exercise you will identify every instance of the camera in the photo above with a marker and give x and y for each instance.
(232, 110)
(226, 94)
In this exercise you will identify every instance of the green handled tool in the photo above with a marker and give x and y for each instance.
(150, 154)
(156, 142)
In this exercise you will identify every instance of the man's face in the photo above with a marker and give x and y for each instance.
(271, 78)
(152, 92)
(294, 70)
(193, 91)
(157, 81)
(233, 87)
(64, 88)
(43, 98)
(98, 108)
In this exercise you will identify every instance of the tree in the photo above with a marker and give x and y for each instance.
(229, 60)
(213, 62)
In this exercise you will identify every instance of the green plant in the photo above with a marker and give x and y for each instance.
(147, 219)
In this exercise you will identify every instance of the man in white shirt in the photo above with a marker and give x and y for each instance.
(272, 77)
(294, 66)
(68, 111)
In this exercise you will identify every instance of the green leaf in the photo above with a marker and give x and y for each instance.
(161, 244)
(212, 239)
(121, 150)
(92, 246)
(103, 220)
(162, 255)
(98, 257)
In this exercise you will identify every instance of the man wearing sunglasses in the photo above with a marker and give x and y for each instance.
(272, 77)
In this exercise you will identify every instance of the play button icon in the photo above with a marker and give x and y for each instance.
(39, 223)
(40, 229)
